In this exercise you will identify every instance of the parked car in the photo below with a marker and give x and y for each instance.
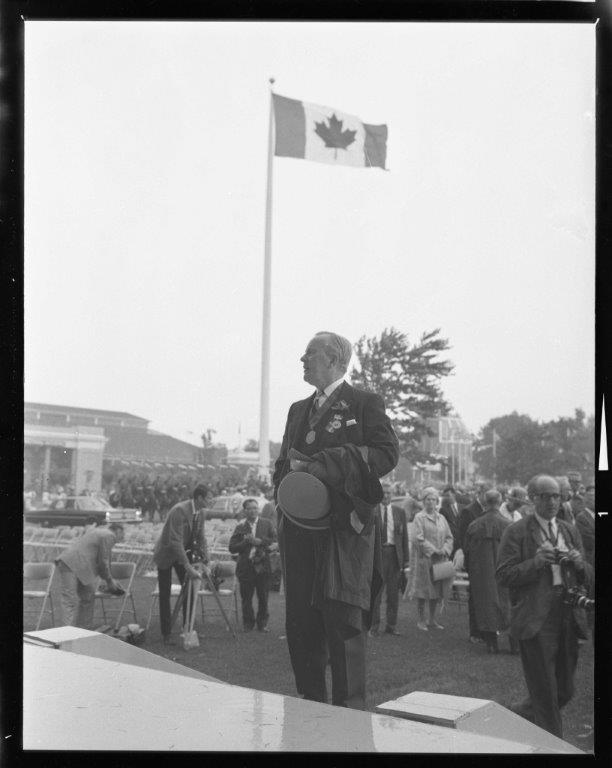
(230, 507)
(81, 510)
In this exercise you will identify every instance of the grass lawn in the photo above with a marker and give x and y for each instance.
(440, 662)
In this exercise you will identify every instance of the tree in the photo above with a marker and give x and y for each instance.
(526, 447)
(408, 378)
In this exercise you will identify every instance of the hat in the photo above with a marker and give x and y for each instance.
(518, 493)
(304, 500)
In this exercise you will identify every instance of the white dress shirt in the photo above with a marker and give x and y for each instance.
(558, 542)
(322, 396)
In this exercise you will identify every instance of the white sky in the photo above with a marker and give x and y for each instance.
(145, 160)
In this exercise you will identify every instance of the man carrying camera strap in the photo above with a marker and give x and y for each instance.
(541, 561)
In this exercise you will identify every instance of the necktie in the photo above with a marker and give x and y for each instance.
(317, 401)
(551, 533)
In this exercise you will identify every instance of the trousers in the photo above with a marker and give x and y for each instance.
(319, 629)
(549, 661)
(77, 599)
(164, 582)
(391, 578)
(260, 584)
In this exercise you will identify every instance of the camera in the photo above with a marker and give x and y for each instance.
(577, 599)
(560, 557)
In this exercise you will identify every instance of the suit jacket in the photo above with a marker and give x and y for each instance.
(400, 533)
(586, 527)
(361, 421)
(531, 587)
(452, 518)
(89, 557)
(269, 513)
(467, 515)
(177, 536)
(247, 568)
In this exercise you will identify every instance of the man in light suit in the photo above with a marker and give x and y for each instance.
(180, 544)
(80, 565)
(539, 558)
(394, 539)
(251, 541)
(329, 573)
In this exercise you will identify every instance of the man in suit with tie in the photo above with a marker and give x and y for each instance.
(80, 565)
(180, 544)
(394, 536)
(449, 509)
(585, 523)
(539, 558)
(251, 541)
(329, 573)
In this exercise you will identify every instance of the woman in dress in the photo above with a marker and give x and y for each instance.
(432, 542)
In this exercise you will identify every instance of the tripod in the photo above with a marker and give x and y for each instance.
(189, 593)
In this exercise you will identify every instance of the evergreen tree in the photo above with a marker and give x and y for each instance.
(408, 377)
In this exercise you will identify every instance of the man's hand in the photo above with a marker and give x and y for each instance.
(544, 555)
(192, 573)
(249, 538)
(458, 560)
(576, 558)
(298, 466)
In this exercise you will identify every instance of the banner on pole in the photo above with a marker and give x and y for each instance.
(326, 135)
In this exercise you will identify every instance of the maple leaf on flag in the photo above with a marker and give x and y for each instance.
(333, 135)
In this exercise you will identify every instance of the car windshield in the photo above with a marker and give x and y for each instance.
(90, 504)
(221, 503)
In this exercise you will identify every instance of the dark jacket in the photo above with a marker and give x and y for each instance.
(400, 532)
(362, 424)
(467, 515)
(531, 587)
(247, 567)
(178, 536)
(452, 518)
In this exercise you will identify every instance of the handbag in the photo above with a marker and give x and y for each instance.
(442, 571)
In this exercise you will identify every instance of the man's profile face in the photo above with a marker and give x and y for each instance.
(199, 502)
(546, 497)
(386, 496)
(250, 510)
(317, 367)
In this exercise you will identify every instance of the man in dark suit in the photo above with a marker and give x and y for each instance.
(539, 558)
(328, 574)
(251, 541)
(449, 509)
(394, 536)
(180, 544)
(467, 516)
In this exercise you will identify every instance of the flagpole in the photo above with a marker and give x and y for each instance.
(264, 403)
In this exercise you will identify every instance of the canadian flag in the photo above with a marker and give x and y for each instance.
(326, 135)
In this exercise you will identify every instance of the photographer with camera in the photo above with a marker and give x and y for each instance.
(182, 546)
(541, 561)
(252, 540)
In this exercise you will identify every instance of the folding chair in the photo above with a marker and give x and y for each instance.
(41, 572)
(225, 569)
(119, 572)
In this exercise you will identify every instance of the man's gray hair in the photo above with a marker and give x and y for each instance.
(339, 347)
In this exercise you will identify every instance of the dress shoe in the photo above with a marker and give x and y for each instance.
(476, 639)
(263, 629)
(422, 626)
(391, 631)
(435, 625)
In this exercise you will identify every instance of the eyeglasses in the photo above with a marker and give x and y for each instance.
(548, 496)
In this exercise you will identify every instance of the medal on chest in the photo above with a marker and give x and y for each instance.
(310, 437)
